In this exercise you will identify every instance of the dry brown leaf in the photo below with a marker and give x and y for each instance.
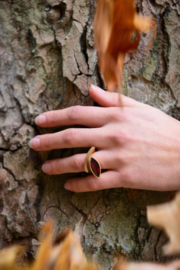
(117, 30)
(71, 256)
(8, 257)
(44, 252)
(64, 253)
(167, 217)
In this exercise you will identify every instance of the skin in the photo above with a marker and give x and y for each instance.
(138, 145)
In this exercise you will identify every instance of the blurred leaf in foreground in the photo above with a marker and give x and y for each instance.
(8, 257)
(117, 30)
(64, 253)
(167, 217)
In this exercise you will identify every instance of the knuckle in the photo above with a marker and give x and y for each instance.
(115, 98)
(120, 115)
(46, 142)
(127, 178)
(76, 187)
(121, 135)
(75, 112)
(56, 168)
(92, 184)
(53, 117)
(70, 137)
(118, 158)
(115, 115)
(78, 164)
(118, 137)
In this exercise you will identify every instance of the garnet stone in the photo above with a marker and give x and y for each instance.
(95, 167)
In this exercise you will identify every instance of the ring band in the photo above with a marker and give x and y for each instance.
(94, 165)
(90, 152)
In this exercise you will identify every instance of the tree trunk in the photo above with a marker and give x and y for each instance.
(47, 62)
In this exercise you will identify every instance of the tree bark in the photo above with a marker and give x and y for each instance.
(47, 62)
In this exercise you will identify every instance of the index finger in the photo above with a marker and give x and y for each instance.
(76, 115)
(111, 99)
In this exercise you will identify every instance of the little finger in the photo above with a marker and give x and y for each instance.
(109, 179)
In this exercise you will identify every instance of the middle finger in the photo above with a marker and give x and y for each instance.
(70, 138)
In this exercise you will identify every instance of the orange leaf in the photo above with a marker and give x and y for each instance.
(167, 217)
(71, 256)
(117, 30)
(45, 249)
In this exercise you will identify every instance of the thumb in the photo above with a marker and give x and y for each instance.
(111, 99)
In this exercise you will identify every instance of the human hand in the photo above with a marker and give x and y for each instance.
(137, 144)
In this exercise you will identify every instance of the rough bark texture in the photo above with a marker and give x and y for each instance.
(47, 61)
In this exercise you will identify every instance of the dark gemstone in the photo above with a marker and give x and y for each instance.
(95, 167)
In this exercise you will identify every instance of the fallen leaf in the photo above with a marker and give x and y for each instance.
(71, 256)
(64, 253)
(45, 250)
(8, 257)
(167, 217)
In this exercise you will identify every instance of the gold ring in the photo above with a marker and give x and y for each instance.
(93, 164)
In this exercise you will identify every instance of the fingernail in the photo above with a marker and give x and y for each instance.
(68, 186)
(34, 143)
(40, 120)
(97, 88)
(94, 87)
(46, 167)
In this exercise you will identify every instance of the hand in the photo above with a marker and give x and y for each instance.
(137, 144)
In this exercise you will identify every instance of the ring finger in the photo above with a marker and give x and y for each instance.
(75, 163)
